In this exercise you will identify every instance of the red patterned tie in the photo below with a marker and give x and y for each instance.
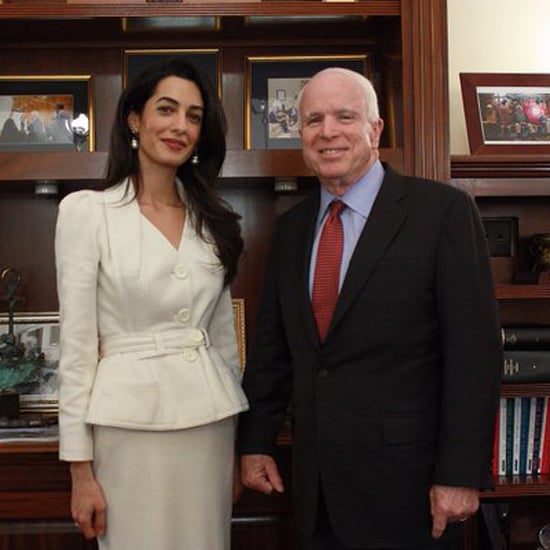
(327, 269)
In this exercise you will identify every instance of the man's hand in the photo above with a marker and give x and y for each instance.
(237, 483)
(260, 472)
(450, 504)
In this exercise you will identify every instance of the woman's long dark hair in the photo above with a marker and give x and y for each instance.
(209, 211)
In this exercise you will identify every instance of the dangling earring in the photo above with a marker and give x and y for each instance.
(134, 142)
(195, 158)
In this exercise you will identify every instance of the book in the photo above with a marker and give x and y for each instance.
(540, 411)
(525, 338)
(531, 435)
(517, 435)
(545, 440)
(496, 442)
(526, 366)
(502, 420)
(525, 409)
(509, 445)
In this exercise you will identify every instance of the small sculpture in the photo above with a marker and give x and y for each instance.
(540, 248)
(16, 367)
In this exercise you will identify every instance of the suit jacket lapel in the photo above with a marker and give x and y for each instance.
(387, 215)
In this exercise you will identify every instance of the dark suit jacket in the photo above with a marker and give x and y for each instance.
(403, 392)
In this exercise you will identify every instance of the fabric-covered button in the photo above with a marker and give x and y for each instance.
(196, 335)
(180, 272)
(190, 355)
(183, 315)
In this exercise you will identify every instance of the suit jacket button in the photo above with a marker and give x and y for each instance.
(323, 373)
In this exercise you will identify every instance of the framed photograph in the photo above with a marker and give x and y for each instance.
(208, 60)
(35, 379)
(507, 113)
(240, 329)
(46, 113)
(272, 88)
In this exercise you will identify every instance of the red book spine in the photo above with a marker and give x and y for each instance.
(545, 443)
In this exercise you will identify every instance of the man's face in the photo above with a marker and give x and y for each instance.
(339, 144)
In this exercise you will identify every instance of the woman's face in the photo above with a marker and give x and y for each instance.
(169, 127)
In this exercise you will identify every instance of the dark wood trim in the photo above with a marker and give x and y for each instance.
(425, 88)
(500, 166)
(34, 10)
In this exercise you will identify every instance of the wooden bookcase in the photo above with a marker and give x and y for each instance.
(519, 187)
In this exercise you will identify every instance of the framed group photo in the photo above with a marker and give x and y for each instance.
(208, 60)
(507, 113)
(46, 113)
(33, 374)
(272, 88)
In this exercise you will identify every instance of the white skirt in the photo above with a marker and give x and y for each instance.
(169, 490)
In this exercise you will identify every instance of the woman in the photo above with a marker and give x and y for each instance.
(149, 383)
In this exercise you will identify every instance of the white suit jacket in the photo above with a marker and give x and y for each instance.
(147, 333)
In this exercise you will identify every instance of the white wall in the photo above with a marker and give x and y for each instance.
(493, 36)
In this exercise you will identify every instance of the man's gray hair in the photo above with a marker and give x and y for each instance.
(371, 99)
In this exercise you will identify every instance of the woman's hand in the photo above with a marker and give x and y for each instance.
(87, 500)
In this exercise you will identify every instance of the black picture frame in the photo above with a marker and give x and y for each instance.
(208, 60)
(273, 82)
(38, 113)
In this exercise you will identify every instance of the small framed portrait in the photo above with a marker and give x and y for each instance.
(46, 113)
(208, 60)
(507, 113)
(272, 88)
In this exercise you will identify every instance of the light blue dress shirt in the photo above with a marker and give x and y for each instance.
(358, 200)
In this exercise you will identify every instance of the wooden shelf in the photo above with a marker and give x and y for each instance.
(502, 175)
(533, 389)
(518, 486)
(500, 166)
(504, 187)
(523, 292)
(72, 166)
(29, 447)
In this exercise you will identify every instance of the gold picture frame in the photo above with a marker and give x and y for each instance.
(46, 113)
(240, 329)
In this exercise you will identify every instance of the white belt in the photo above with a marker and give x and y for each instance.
(167, 342)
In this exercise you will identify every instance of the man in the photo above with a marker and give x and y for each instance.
(394, 398)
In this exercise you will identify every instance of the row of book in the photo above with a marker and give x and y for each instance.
(526, 354)
(522, 436)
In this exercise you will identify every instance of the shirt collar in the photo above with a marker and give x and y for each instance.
(360, 196)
